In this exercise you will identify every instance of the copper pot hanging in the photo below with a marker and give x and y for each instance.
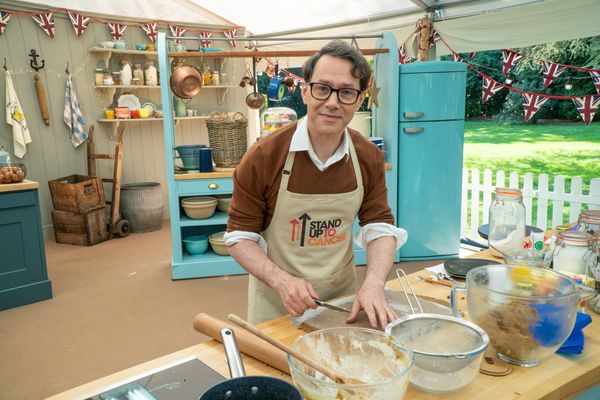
(254, 100)
(186, 81)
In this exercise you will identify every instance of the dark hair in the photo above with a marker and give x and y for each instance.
(340, 49)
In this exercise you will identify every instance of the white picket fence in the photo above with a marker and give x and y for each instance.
(478, 195)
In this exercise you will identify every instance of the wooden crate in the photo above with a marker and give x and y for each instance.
(81, 229)
(77, 193)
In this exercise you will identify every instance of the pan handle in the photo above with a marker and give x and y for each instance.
(234, 360)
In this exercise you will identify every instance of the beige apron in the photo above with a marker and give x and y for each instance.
(310, 236)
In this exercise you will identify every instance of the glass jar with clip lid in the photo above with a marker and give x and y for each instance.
(589, 221)
(506, 221)
(592, 272)
(570, 251)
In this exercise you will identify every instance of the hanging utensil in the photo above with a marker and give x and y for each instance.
(254, 100)
(186, 81)
(39, 87)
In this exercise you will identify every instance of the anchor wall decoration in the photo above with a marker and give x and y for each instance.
(39, 87)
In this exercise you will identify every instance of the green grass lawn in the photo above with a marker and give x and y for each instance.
(569, 149)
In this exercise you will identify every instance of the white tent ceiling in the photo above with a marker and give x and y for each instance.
(467, 25)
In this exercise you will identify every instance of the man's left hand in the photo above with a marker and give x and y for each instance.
(371, 298)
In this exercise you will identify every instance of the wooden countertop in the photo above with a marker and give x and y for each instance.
(13, 187)
(557, 376)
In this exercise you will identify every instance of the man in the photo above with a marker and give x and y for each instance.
(297, 193)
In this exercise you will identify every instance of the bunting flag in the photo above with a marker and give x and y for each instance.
(80, 22)
(596, 78)
(532, 104)
(116, 30)
(4, 17)
(472, 54)
(433, 37)
(551, 72)
(293, 88)
(587, 107)
(402, 55)
(509, 60)
(205, 38)
(46, 22)
(177, 31)
(490, 88)
(231, 34)
(151, 29)
(457, 58)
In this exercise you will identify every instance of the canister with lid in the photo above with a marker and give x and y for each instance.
(506, 221)
(589, 221)
(216, 78)
(571, 250)
(593, 272)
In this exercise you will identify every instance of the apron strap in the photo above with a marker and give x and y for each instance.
(354, 158)
(287, 170)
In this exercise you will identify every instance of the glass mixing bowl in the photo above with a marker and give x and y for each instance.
(358, 353)
(528, 258)
(527, 312)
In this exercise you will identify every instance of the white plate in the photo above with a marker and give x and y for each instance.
(129, 100)
(149, 105)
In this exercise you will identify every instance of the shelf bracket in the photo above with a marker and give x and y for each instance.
(106, 57)
(114, 129)
(221, 93)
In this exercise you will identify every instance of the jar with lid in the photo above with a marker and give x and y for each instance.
(206, 77)
(4, 156)
(108, 79)
(592, 272)
(151, 74)
(589, 221)
(571, 249)
(506, 221)
(116, 75)
(216, 78)
(137, 75)
(126, 73)
(99, 76)
(274, 118)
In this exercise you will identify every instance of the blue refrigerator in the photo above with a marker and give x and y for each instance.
(430, 157)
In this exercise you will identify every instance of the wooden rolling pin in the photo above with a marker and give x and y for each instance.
(41, 95)
(247, 342)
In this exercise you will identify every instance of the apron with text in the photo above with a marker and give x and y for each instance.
(310, 236)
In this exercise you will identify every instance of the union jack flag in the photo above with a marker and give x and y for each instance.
(116, 30)
(231, 34)
(509, 60)
(596, 78)
(532, 104)
(205, 38)
(587, 107)
(177, 31)
(46, 22)
(151, 30)
(80, 22)
(490, 88)
(402, 55)
(551, 72)
(434, 36)
(472, 54)
(4, 17)
(457, 57)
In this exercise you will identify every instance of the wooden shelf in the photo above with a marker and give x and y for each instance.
(149, 119)
(272, 53)
(125, 51)
(203, 175)
(156, 87)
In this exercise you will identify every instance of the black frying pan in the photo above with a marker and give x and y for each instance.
(241, 387)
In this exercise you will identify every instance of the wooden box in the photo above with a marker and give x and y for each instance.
(81, 229)
(77, 193)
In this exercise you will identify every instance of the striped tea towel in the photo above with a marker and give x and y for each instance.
(72, 114)
(16, 118)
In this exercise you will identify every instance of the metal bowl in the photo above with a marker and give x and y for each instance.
(186, 81)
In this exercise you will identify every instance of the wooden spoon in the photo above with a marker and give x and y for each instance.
(322, 369)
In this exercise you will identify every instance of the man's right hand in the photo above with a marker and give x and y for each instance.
(296, 294)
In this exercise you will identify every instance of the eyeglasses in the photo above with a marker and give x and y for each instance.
(321, 91)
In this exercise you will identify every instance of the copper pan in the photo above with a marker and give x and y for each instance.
(186, 81)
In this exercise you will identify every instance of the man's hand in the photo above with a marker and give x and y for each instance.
(296, 294)
(371, 298)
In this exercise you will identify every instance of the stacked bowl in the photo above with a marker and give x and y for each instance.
(199, 207)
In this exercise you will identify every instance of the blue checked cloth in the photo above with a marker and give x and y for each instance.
(73, 116)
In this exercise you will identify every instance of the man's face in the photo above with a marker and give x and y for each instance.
(330, 117)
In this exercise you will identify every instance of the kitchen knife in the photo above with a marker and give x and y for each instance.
(330, 306)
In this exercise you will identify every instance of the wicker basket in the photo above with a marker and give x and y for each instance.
(228, 139)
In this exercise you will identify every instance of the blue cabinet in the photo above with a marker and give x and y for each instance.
(23, 275)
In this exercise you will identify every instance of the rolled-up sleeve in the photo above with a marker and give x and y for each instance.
(373, 231)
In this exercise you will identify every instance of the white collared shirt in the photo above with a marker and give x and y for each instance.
(301, 142)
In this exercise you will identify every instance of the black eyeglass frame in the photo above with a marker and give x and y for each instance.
(332, 90)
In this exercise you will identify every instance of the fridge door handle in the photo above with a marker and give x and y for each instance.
(414, 130)
(413, 115)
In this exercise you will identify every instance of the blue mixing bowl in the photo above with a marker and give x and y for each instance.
(190, 155)
(197, 244)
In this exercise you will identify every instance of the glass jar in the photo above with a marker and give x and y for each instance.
(116, 75)
(99, 76)
(206, 77)
(216, 78)
(589, 221)
(151, 74)
(570, 251)
(108, 79)
(592, 273)
(274, 118)
(137, 75)
(506, 221)
(4, 156)
(126, 73)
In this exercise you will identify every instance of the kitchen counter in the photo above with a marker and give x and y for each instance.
(13, 187)
(557, 376)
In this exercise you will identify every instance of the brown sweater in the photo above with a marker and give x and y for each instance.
(257, 178)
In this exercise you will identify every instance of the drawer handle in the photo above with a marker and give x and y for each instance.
(417, 114)
(413, 130)
(213, 185)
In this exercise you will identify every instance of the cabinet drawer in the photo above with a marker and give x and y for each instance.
(205, 186)
(432, 96)
(17, 199)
